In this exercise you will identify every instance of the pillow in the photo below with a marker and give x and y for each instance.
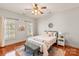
(54, 33)
(50, 34)
(44, 34)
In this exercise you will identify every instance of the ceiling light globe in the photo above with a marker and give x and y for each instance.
(32, 11)
(36, 11)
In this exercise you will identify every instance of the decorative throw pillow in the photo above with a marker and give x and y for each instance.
(49, 34)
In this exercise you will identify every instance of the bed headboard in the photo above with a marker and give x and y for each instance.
(56, 33)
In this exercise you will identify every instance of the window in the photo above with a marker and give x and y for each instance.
(9, 29)
(29, 29)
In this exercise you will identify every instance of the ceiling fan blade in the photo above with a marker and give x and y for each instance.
(36, 5)
(43, 7)
(41, 12)
(27, 9)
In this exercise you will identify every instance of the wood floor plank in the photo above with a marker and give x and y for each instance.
(69, 51)
(6, 49)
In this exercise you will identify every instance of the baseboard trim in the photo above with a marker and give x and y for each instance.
(13, 43)
(72, 47)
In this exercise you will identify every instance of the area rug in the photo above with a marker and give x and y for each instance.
(56, 52)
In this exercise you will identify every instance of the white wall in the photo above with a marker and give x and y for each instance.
(14, 15)
(11, 14)
(35, 27)
(66, 22)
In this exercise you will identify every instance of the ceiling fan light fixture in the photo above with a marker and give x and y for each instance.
(39, 13)
(32, 12)
(35, 13)
(36, 9)
(33, 5)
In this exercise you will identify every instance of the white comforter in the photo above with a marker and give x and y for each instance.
(43, 41)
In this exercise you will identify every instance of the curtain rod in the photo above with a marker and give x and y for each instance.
(18, 19)
(12, 18)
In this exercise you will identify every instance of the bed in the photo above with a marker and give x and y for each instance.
(45, 41)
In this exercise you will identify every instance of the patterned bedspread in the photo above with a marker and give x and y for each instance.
(43, 41)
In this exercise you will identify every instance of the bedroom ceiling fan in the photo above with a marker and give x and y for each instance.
(36, 9)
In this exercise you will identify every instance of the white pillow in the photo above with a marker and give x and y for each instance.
(50, 34)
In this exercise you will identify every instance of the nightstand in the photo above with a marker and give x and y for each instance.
(61, 41)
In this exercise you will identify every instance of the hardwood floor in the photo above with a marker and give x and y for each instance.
(69, 51)
(6, 49)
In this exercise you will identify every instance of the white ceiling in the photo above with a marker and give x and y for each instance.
(51, 7)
